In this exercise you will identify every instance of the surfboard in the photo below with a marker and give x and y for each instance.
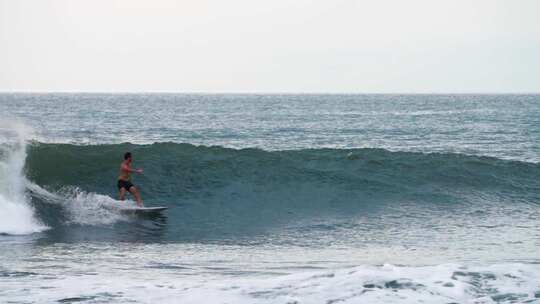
(143, 210)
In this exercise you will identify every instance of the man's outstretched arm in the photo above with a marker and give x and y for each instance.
(128, 169)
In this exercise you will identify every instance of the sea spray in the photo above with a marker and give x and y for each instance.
(92, 209)
(16, 216)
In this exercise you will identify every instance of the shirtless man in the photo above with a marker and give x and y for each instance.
(124, 183)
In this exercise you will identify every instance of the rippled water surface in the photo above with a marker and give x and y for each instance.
(272, 198)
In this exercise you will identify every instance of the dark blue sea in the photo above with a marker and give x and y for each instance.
(292, 198)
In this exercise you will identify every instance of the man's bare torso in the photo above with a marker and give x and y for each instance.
(124, 173)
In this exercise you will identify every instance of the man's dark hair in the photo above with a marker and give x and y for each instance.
(127, 155)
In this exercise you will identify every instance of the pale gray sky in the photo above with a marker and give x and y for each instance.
(270, 46)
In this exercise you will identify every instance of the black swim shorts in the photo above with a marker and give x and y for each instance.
(124, 184)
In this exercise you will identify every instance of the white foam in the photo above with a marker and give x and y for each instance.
(446, 283)
(17, 218)
(84, 208)
(16, 215)
(93, 209)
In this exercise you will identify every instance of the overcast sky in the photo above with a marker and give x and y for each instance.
(350, 46)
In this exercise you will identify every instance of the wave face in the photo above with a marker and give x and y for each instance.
(220, 193)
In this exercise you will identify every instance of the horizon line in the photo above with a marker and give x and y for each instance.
(261, 92)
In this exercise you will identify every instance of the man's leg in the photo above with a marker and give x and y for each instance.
(135, 193)
(122, 194)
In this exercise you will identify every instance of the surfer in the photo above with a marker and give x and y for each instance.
(124, 183)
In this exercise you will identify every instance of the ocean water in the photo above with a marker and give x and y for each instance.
(272, 198)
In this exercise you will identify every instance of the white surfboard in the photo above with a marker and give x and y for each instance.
(143, 210)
